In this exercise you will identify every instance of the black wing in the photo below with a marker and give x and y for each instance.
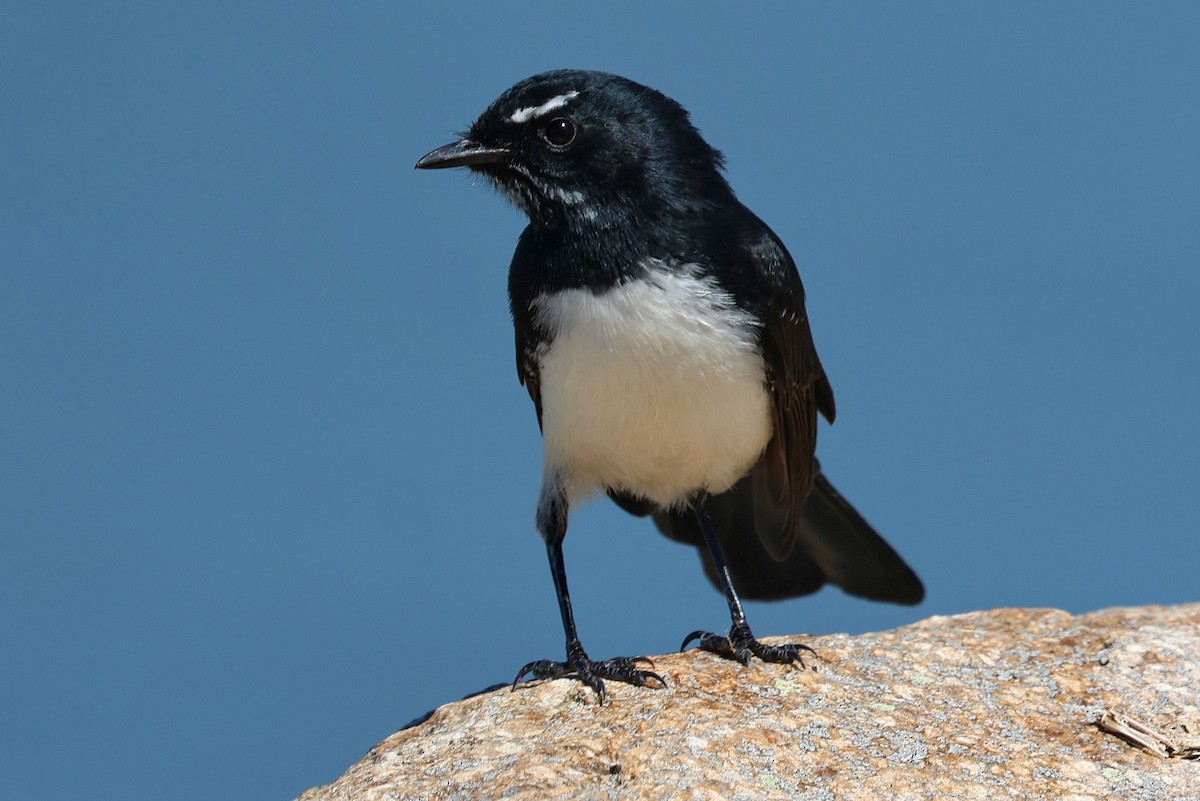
(523, 286)
(784, 529)
(527, 371)
(783, 478)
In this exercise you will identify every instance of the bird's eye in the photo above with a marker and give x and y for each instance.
(559, 132)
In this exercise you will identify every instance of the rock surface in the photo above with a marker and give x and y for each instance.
(997, 704)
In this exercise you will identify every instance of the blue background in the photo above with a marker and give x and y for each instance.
(267, 476)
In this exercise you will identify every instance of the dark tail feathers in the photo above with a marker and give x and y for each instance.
(833, 543)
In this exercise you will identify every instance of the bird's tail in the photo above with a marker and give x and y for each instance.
(832, 543)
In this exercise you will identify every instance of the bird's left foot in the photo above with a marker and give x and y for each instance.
(740, 644)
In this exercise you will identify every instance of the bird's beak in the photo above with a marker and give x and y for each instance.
(463, 153)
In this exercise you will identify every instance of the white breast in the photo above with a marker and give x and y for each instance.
(655, 387)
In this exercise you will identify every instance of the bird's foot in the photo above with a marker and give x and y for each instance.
(578, 665)
(741, 645)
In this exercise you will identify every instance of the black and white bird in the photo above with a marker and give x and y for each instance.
(662, 334)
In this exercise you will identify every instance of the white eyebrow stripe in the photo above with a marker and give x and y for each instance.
(528, 113)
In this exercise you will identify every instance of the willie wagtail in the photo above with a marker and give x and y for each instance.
(662, 335)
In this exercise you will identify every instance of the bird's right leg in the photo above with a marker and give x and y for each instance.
(740, 643)
(552, 524)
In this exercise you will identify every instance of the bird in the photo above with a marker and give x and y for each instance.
(662, 333)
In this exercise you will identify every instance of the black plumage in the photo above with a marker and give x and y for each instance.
(629, 205)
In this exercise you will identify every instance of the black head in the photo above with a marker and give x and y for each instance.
(590, 149)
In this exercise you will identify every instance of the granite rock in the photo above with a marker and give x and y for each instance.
(1008, 703)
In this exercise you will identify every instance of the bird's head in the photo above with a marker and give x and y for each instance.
(589, 148)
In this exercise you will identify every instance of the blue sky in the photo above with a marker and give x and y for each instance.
(266, 474)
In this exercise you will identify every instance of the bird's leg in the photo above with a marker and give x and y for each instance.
(552, 523)
(739, 643)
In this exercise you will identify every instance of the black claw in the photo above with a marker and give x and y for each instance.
(578, 665)
(790, 653)
(541, 669)
(596, 684)
(740, 644)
